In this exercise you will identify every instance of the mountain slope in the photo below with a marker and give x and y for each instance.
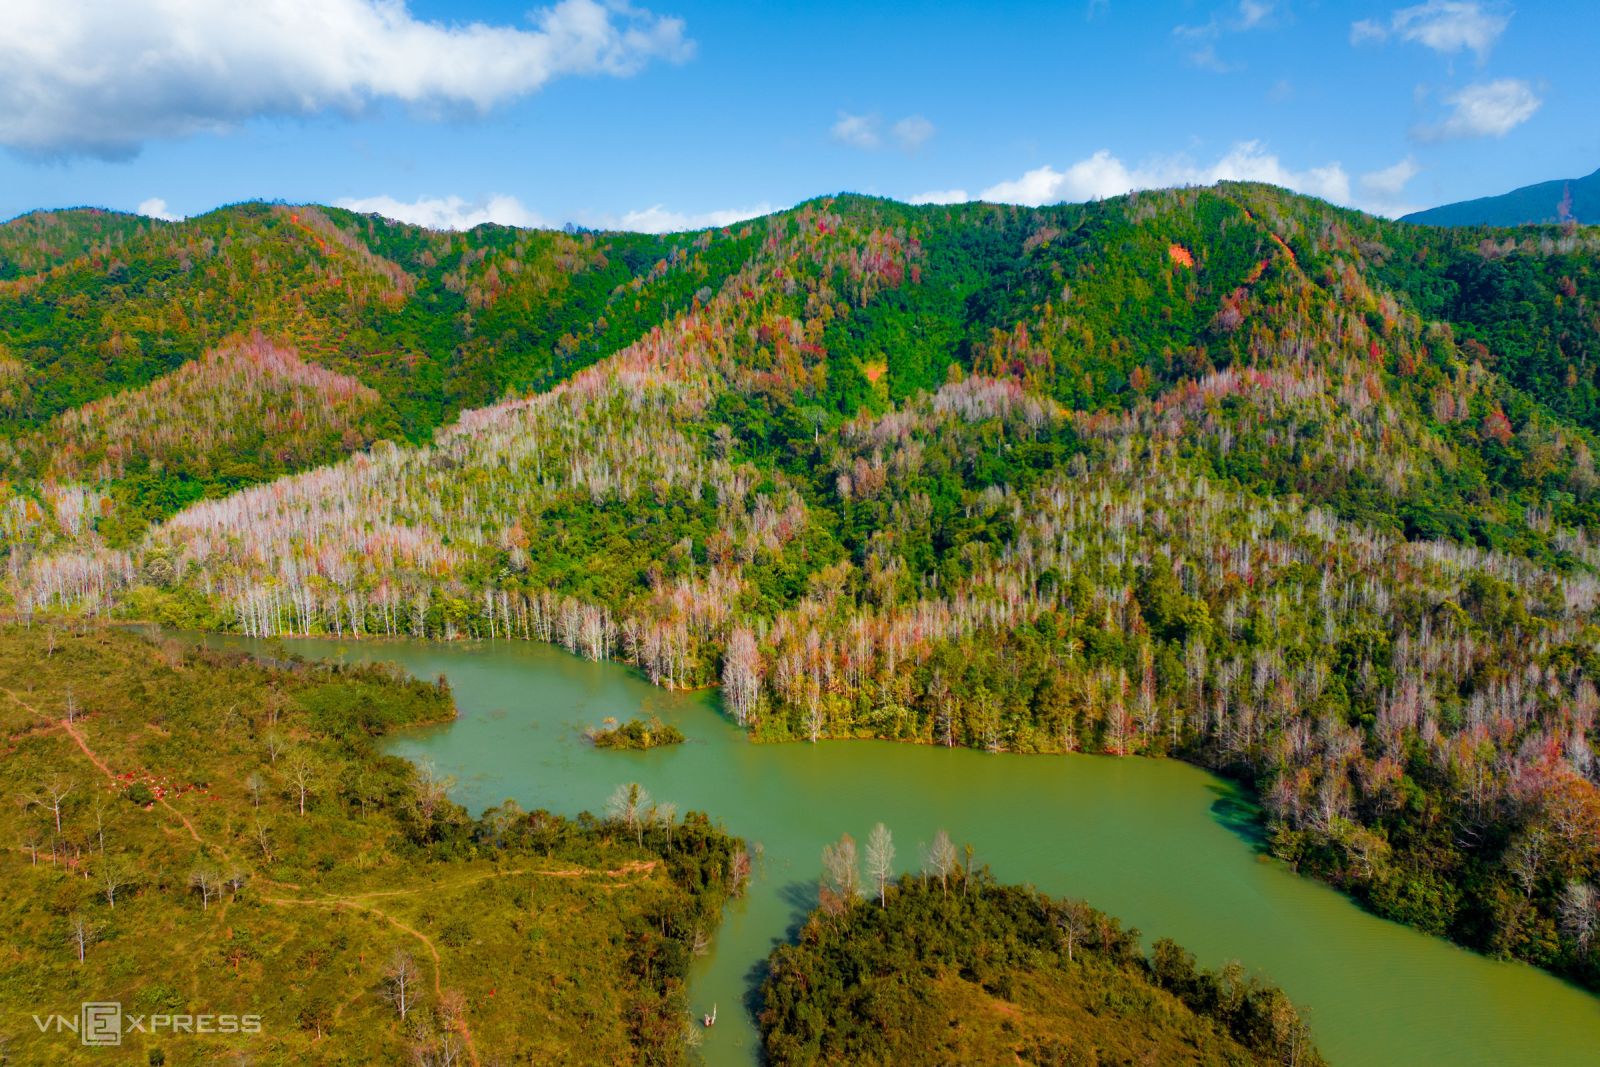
(241, 414)
(1563, 200)
(1227, 473)
(431, 322)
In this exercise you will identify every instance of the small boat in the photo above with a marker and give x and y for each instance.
(710, 1020)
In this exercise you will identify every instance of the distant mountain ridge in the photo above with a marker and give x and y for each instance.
(1575, 199)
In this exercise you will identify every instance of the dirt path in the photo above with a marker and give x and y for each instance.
(353, 902)
(427, 943)
(360, 901)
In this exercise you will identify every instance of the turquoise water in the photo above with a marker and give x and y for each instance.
(1167, 847)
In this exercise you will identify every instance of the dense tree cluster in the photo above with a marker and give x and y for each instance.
(953, 968)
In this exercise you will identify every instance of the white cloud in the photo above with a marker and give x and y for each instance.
(1253, 13)
(1390, 181)
(102, 77)
(1205, 58)
(657, 219)
(857, 131)
(1488, 109)
(1104, 175)
(156, 208)
(447, 212)
(456, 213)
(941, 196)
(912, 132)
(1248, 15)
(866, 131)
(1446, 26)
(1101, 175)
(1368, 30)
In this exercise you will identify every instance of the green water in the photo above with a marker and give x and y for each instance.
(1165, 846)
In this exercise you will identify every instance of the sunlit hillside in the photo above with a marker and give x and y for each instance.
(1222, 473)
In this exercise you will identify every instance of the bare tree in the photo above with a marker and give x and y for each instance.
(275, 744)
(1289, 1032)
(114, 875)
(102, 818)
(70, 706)
(52, 795)
(1526, 858)
(630, 805)
(302, 772)
(1074, 919)
(236, 878)
(841, 873)
(1580, 913)
(880, 860)
(263, 836)
(81, 933)
(942, 860)
(31, 840)
(452, 1019)
(399, 978)
(207, 882)
(741, 675)
(431, 789)
(813, 693)
(666, 813)
(255, 784)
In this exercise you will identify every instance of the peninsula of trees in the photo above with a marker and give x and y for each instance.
(948, 967)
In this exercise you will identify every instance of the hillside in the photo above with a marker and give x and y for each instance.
(40, 240)
(94, 304)
(1563, 200)
(1302, 495)
(198, 834)
(974, 972)
(241, 414)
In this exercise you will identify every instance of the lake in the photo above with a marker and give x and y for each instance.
(1165, 846)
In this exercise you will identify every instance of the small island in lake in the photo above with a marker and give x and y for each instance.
(636, 734)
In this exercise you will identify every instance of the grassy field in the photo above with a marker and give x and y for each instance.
(230, 841)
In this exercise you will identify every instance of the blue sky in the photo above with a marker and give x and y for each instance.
(674, 112)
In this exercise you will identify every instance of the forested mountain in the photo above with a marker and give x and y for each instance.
(1225, 473)
(93, 304)
(1574, 200)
